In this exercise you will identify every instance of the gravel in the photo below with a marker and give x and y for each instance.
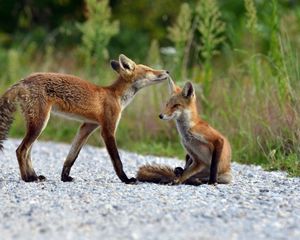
(257, 205)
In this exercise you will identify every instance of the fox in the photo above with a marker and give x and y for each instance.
(41, 94)
(208, 158)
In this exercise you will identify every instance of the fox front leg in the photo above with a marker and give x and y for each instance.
(178, 171)
(83, 133)
(111, 147)
(218, 147)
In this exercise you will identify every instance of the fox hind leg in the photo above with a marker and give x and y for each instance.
(193, 168)
(225, 178)
(23, 154)
(213, 176)
(34, 129)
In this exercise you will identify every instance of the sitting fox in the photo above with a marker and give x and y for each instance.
(42, 93)
(208, 151)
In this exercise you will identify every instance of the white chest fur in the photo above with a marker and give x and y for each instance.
(184, 124)
(183, 131)
(194, 142)
(127, 97)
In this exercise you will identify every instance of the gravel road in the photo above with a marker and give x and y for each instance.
(257, 205)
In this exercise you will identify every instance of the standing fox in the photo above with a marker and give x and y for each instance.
(42, 93)
(208, 151)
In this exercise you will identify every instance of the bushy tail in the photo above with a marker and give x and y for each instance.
(7, 108)
(156, 174)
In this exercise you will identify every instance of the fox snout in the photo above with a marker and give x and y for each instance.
(169, 115)
(165, 116)
(164, 74)
(162, 116)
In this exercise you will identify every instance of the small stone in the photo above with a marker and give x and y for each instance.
(257, 205)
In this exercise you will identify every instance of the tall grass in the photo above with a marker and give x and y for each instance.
(96, 31)
(180, 34)
(211, 29)
(261, 101)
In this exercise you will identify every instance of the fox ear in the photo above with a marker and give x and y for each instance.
(115, 65)
(126, 63)
(188, 90)
(172, 87)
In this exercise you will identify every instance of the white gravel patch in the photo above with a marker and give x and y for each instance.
(257, 205)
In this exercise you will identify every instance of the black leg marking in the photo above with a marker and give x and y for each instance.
(178, 171)
(111, 147)
(218, 146)
(65, 175)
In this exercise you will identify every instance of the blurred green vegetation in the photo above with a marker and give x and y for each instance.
(243, 57)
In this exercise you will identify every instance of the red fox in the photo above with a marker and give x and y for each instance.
(208, 151)
(42, 93)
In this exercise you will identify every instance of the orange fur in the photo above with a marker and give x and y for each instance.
(209, 152)
(72, 97)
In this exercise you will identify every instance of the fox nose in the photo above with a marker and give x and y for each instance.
(160, 116)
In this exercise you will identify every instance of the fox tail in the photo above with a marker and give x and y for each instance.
(7, 108)
(156, 174)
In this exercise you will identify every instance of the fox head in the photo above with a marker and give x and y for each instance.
(137, 74)
(182, 102)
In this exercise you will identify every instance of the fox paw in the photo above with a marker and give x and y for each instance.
(175, 182)
(35, 178)
(130, 180)
(178, 171)
(212, 183)
(66, 178)
(41, 178)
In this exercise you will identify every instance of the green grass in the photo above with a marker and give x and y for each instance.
(261, 126)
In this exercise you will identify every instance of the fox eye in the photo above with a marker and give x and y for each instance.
(176, 105)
